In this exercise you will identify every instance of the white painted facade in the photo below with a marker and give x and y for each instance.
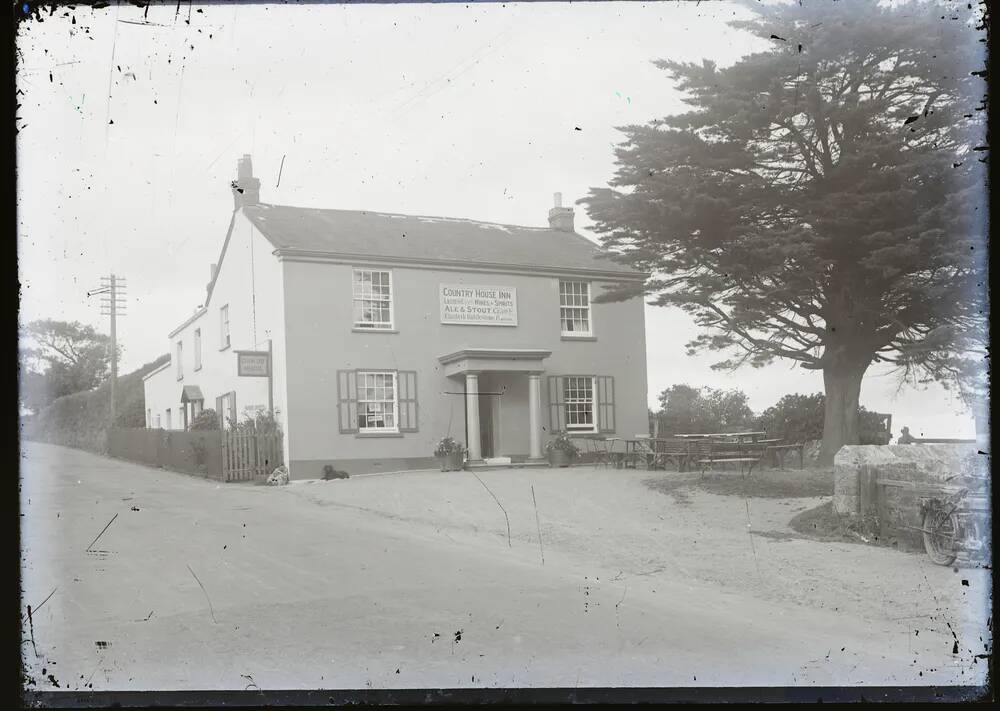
(249, 285)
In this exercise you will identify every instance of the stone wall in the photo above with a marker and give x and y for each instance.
(878, 481)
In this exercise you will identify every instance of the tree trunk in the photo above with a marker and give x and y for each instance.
(842, 382)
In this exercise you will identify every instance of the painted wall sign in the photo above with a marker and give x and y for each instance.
(478, 305)
(252, 364)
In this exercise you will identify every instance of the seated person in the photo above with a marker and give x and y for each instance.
(905, 437)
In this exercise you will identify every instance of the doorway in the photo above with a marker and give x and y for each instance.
(489, 417)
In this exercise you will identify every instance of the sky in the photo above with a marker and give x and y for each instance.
(132, 120)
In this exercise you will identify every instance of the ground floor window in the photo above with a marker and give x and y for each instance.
(578, 396)
(582, 403)
(373, 402)
(377, 404)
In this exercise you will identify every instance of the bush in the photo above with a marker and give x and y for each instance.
(205, 420)
(562, 442)
(262, 423)
(795, 418)
(687, 410)
(448, 445)
(799, 418)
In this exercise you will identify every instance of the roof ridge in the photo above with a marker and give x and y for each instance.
(425, 217)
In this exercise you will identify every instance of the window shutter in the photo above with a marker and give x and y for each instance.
(557, 408)
(406, 392)
(347, 400)
(605, 403)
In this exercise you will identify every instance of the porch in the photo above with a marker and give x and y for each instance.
(502, 392)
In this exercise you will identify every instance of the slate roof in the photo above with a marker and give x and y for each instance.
(388, 235)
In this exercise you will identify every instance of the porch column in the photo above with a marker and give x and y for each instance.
(534, 416)
(472, 416)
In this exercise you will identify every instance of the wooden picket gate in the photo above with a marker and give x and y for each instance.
(249, 456)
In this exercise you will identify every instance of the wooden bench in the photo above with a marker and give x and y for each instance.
(731, 460)
(729, 453)
(778, 451)
(673, 450)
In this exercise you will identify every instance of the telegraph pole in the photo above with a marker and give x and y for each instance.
(112, 305)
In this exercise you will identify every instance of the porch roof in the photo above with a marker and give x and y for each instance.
(478, 360)
(191, 393)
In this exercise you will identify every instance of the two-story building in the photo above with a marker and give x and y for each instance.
(388, 332)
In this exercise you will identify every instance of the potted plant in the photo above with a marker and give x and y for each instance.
(561, 450)
(451, 453)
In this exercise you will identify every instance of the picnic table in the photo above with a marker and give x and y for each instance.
(743, 448)
(739, 436)
(654, 453)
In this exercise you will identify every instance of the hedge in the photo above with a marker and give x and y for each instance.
(81, 419)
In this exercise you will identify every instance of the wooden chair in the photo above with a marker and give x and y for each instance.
(616, 458)
(641, 450)
(605, 452)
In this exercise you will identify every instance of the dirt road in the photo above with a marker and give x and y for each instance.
(196, 585)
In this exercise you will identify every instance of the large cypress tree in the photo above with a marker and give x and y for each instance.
(822, 201)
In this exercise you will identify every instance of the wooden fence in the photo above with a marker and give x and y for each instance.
(191, 452)
(250, 456)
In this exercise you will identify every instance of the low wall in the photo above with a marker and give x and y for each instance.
(859, 469)
(190, 452)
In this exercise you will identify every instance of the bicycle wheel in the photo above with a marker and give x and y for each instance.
(940, 536)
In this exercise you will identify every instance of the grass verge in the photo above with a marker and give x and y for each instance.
(766, 483)
(822, 523)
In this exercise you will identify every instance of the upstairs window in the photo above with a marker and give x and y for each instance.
(574, 308)
(197, 349)
(180, 360)
(224, 327)
(372, 299)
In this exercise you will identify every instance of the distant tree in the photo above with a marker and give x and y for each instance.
(795, 418)
(686, 410)
(822, 201)
(799, 418)
(59, 358)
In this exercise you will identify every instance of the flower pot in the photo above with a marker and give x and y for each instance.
(558, 458)
(452, 462)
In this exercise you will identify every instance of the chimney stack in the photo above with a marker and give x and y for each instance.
(561, 218)
(246, 188)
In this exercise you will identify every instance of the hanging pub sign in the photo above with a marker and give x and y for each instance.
(478, 305)
(254, 364)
